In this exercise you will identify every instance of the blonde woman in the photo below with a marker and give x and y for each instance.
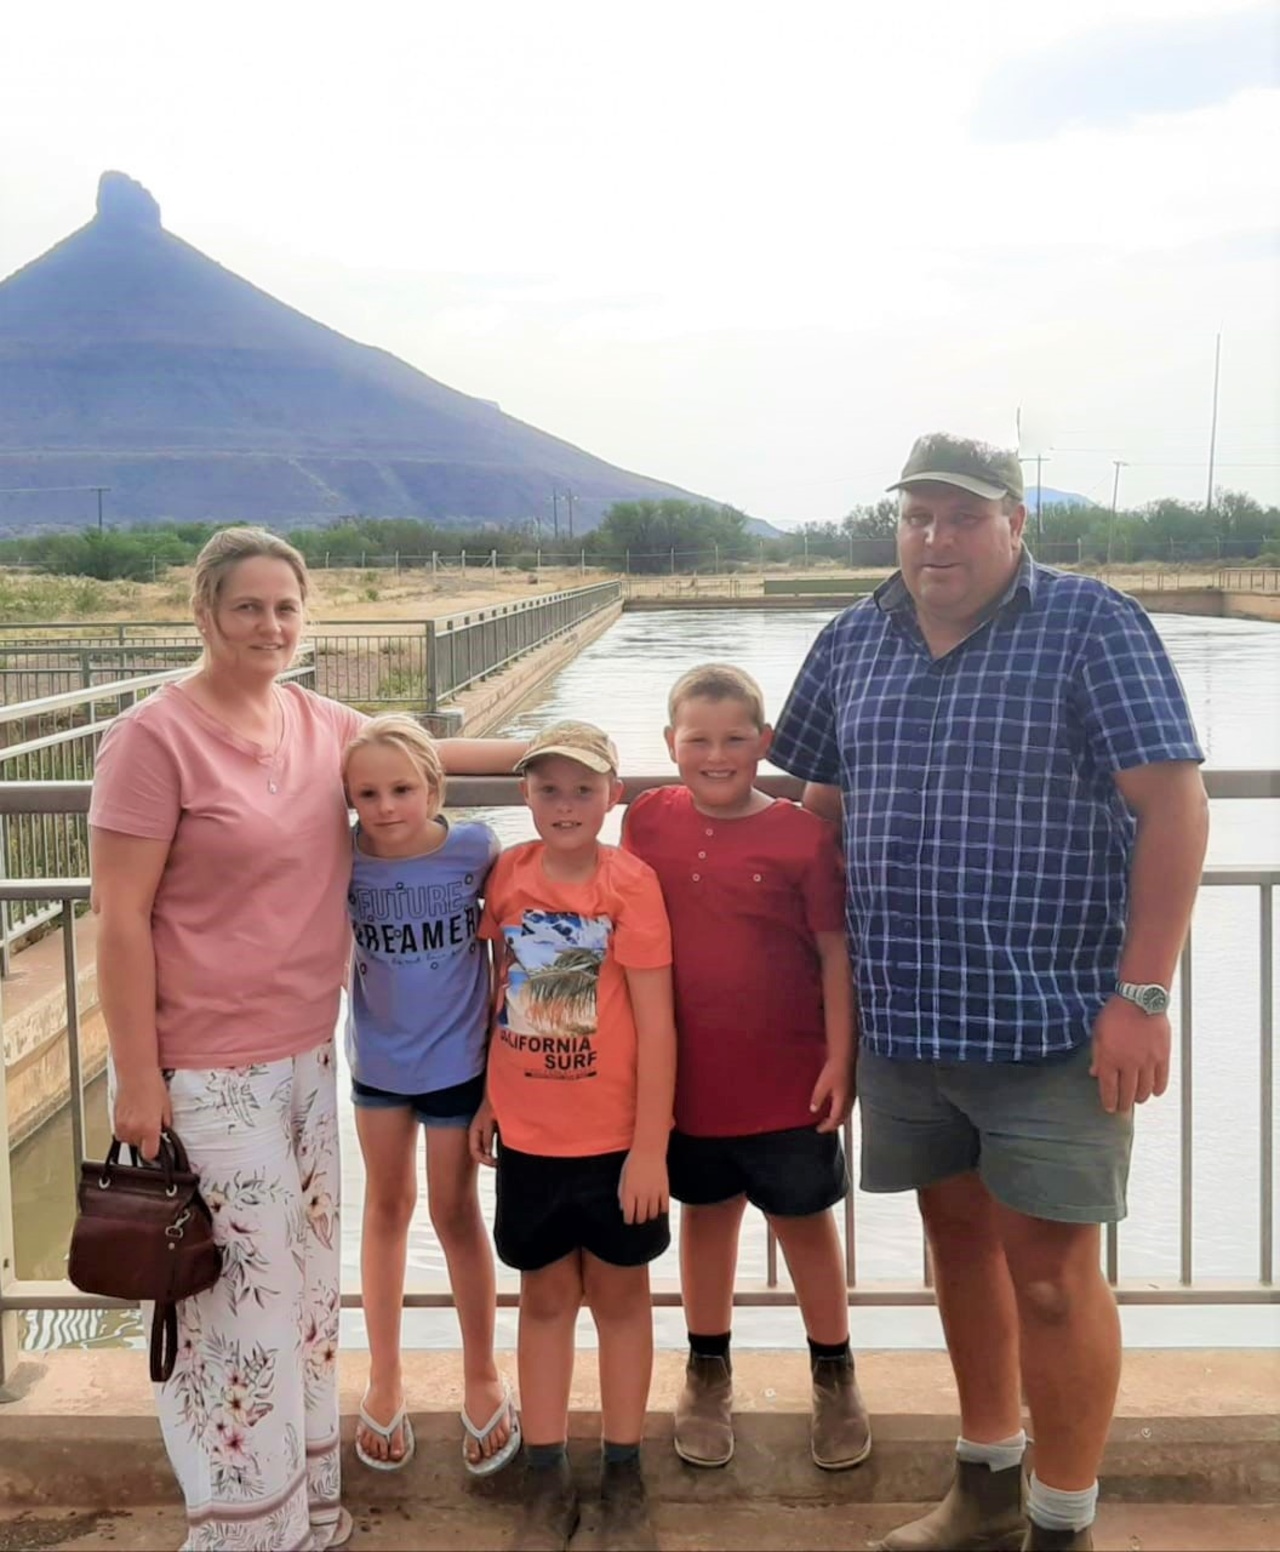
(221, 856)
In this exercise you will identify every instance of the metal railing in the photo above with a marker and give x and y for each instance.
(369, 663)
(45, 798)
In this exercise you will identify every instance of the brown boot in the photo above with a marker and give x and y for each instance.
(840, 1430)
(625, 1524)
(982, 1512)
(704, 1425)
(548, 1510)
(1041, 1539)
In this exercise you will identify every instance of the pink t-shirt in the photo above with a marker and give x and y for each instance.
(250, 917)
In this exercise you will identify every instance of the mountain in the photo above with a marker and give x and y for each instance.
(129, 359)
(1049, 497)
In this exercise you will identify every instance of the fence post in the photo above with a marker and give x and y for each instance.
(537, 562)
(397, 562)
(673, 562)
(493, 562)
(432, 675)
(582, 563)
(433, 565)
(464, 563)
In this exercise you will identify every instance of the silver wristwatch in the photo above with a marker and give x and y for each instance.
(1150, 998)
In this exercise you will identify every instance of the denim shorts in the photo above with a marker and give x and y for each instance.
(454, 1106)
(1035, 1132)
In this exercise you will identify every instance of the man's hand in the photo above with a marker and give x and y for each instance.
(642, 1189)
(142, 1110)
(834, 1094)
(480, 1135)
(1130, 1055)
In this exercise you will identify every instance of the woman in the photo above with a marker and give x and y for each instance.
(220, 856)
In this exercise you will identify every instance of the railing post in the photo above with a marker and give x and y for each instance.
(9, 1353)
(433, 663)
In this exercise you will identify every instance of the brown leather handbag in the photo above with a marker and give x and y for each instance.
(143, 1231)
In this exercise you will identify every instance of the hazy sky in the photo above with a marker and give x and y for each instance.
(751, 250)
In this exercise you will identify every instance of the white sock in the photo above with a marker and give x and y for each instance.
(1054, 1509)
(998, 1456)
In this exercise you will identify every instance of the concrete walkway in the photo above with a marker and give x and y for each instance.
(1193, 1461)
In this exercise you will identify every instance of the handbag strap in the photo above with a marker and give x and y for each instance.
(164, 1341)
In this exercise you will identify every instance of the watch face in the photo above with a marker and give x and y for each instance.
(1153, 999)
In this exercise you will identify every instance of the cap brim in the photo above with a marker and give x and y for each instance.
(593, 762)
(961, 481)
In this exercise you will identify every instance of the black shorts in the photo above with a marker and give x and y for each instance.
(791, 1174)
(550, 1207)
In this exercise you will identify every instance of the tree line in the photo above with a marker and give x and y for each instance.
(677, 536)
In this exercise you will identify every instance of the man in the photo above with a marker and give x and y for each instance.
(1024, 828)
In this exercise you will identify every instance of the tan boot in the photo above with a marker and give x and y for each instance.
(840, 1431)
(1040, 1539)
(982, 1512)
(704, 1421)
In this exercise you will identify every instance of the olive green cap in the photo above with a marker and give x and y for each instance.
(937, 458)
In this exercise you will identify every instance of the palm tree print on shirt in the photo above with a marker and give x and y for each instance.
(552, 973)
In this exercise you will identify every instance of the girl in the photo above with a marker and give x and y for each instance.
(416, 1041)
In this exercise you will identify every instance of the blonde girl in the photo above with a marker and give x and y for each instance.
(416, 1041)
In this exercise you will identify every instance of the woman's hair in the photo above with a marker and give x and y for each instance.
(227, 548)
(396, 731)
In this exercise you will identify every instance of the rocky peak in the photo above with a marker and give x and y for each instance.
(124, 205)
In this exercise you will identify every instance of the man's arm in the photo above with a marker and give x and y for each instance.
(643, 1188)
(480, 756)
(834, 1090)
(1130, 1047)
(823, 801)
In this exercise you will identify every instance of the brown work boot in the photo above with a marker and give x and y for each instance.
(704, 1424)
(625, 1524)
(840, 1430)
(1041, 1539)
(548, 1509)
(982, 1512)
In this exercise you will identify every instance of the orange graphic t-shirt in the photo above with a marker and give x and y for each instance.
(562, 1061)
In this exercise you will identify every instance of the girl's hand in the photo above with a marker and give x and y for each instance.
(142, 1110)
(480, 1135)
(642, 1189)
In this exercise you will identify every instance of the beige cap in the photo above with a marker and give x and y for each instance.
(580, 741)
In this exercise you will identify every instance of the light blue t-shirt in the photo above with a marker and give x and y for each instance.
(420, 988)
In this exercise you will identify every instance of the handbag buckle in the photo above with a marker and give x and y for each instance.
(174, 1229)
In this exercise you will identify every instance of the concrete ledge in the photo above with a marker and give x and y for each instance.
(77, 1429)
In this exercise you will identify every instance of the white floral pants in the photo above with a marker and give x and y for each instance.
(250, 1414)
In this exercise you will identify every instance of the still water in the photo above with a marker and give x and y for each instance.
(1231, 670)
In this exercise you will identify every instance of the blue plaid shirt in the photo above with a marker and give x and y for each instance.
(987, 847)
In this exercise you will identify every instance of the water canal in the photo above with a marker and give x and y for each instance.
(1232, 673)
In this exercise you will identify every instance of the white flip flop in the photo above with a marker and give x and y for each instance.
(386, 1431)
(488, 1464)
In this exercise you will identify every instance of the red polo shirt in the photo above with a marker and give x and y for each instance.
(745, 898)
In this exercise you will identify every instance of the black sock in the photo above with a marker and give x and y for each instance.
(710, 1346)
(828, 1352)
(545, 1457)
(620, 1454)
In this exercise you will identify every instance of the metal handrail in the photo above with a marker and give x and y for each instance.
(63, 797)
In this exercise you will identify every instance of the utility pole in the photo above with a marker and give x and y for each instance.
(569, 497)
(99, 490)
(1038, 460)
(1213, 425)
(1115, 504)
(555, 513)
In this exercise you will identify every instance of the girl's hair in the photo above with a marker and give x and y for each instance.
(396, 731)
(227, 548)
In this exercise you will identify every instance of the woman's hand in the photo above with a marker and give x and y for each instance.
(142, 1110)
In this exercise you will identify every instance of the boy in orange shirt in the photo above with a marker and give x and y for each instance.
(580, 1083)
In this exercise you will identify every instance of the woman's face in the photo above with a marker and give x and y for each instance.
(255, 625)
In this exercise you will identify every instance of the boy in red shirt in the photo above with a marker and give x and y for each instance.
(766, 1049)
(580, 1079)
